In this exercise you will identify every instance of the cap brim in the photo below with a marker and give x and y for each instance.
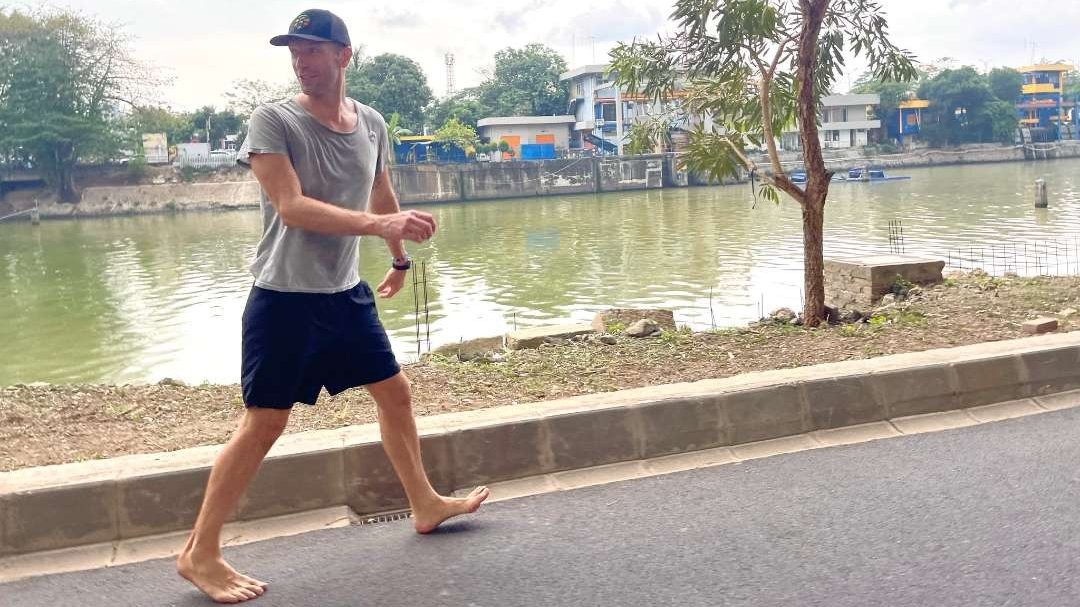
(285, 39)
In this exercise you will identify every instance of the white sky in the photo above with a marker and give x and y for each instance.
(203, 46)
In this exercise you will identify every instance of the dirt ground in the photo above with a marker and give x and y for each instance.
(44, 424)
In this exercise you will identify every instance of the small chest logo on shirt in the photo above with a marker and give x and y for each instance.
(371, 136)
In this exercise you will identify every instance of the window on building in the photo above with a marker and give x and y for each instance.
(609, 112)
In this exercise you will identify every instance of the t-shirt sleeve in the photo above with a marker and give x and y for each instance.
(266, 135)
(383, 161)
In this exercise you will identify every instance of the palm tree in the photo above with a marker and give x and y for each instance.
(395, 130)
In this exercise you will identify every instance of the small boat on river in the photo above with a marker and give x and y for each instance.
(858, 174)
(871, 174)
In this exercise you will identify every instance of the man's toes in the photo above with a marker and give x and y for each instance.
(477, 497)
(249, 581)
(227, 598)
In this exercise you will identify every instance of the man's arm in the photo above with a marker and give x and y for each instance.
(384, 201)
(278, 179)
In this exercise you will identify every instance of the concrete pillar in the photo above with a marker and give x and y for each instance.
(618, 120)
(1041, 201)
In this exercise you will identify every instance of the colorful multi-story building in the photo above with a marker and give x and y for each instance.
(605, 112)
(598, 119)
(1042, 102)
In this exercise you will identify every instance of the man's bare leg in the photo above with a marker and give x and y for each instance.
(402, 444)
(201, 562)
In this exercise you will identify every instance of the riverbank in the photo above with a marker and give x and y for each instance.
(169, 190)
(116, 191)
(42, 425)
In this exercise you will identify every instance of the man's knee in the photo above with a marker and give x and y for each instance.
(393, 394)
(266, 425)
(395, 404)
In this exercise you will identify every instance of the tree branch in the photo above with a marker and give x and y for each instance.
(767, 125)
(757, 61)
(778, 180)
(780, 53)
(748, 164)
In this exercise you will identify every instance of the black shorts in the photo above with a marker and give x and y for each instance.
(297, 343)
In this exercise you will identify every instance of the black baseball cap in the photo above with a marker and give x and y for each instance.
(318, 25)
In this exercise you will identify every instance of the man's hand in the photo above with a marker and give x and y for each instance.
(395, 279)
(416, 226)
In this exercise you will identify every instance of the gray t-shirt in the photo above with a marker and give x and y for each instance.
(336, 168)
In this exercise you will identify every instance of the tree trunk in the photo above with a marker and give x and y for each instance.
(65, 170)
(817, 177)
(68, 192)
(813, 216)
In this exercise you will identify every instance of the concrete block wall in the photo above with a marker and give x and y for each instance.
(861, 283)
(429, 183)
(419, 183)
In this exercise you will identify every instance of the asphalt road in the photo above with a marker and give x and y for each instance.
(986, 515)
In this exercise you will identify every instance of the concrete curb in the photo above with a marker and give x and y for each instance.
(103, 501)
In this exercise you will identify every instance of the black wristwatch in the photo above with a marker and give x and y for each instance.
(402, 264)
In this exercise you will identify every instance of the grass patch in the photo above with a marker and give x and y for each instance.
(851, 330)
(93, 421)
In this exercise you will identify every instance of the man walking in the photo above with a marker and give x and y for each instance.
(310, 322)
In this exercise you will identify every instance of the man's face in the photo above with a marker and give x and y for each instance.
(318, 65)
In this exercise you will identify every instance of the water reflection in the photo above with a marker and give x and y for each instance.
(140, 298)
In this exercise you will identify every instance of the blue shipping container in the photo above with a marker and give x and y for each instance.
(538, 151)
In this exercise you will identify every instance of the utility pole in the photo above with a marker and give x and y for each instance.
(618, 120)
(451, 86)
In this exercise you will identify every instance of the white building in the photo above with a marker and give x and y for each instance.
(192, 153)
(593, 105)
(519, 130)
(155, 148)
(845, 122)
(604, 113)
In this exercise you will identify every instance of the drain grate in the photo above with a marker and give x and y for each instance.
(385, 518)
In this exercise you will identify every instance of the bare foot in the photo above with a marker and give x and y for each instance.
(428, 519)
(217, 579)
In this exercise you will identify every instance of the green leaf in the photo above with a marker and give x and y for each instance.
(456, 133)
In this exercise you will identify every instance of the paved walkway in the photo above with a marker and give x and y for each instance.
(986, 515)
